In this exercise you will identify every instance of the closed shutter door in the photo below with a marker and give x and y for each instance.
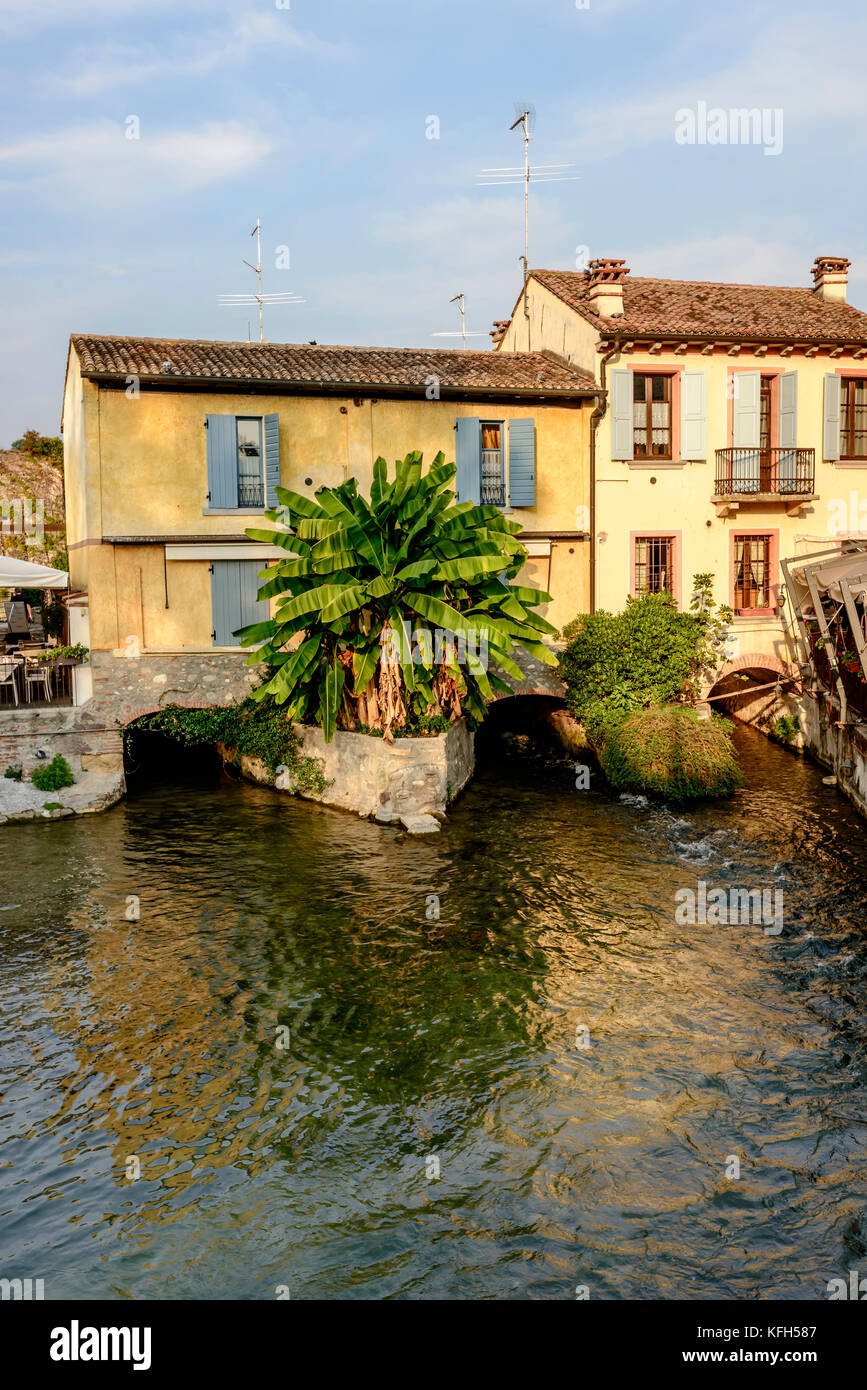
(272, 459)
(788, 432)
(468, 458)
(234, 602)
(621, 415)
(522, 463)
(693, 420)
(746, 431)
(222, 450)
(831, 431)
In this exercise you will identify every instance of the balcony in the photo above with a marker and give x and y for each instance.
(765, 475)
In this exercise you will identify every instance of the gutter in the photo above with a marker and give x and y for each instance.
(595, 418)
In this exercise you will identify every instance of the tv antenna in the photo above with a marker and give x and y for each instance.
(236, 301)
(525, 117)
(463, 334)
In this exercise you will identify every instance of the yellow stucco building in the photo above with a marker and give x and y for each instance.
(733, 435)
(173, 449)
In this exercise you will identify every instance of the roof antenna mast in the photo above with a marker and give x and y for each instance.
(236, 301)
(525, 117)
(460, 300)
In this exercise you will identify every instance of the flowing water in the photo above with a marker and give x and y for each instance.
(413, 1045)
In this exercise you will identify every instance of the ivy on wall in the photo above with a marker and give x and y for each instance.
(251, 730)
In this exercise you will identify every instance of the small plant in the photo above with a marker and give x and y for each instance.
(78, 652)
(54, 775)
(14, 773)
(52, 805)
(786, 728)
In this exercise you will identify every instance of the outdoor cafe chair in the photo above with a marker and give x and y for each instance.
(8, 674)
(37, 673)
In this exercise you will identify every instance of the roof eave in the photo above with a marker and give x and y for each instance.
(341, 388)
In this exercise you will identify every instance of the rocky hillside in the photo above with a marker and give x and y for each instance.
(25, 480)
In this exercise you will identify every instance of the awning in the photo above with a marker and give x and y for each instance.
(851, 567)
(21, 574)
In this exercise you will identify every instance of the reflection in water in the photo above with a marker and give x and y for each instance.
(559, 1164)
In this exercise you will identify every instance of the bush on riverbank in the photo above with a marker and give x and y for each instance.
(669, 751)
(617, 663)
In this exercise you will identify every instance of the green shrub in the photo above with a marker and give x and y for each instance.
(787, 727)
(620, 662)
(670, 752)
(14, 773)
(54, 775)
(253, 730)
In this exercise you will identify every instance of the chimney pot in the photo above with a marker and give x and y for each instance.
(830, 277)
(605, 286)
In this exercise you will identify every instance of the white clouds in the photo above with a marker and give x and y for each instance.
(189, 55)
(96, 164)
(793, 65)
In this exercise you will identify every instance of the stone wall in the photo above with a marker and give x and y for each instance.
(411, 781)
(842, 751)
(87, 742)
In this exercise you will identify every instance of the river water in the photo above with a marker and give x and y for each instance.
(414, 1046)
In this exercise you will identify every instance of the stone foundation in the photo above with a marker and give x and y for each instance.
(411, 781)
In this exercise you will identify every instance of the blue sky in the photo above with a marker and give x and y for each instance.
(314, 118)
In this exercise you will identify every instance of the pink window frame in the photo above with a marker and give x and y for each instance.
(677, 566)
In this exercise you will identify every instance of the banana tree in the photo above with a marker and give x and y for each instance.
(343, 646)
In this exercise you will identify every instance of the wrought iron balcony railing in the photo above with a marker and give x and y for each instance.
(765, 472)
(250, 494)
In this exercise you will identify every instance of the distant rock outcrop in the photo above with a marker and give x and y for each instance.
(25, 482)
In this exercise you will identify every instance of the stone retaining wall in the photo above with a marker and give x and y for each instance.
(411, 781)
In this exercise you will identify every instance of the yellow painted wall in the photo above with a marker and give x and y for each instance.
(552, 325)
(137, 467)
(680, 498)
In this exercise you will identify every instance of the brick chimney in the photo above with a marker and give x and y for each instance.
(830, 277)
(605, 287)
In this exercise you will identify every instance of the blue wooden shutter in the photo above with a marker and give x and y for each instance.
(522, 463)
(693, 415)
(234, 602)
(222, 437)
(272, 459)
(468, 457)
(621, 415)
(831, 431)
(746, 430)
(788, 432)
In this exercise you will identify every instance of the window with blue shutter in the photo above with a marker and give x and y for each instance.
(522, 463)
(235, 603)
(468, 458)
(243, 454)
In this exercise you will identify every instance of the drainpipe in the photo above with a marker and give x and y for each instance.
(598, 414)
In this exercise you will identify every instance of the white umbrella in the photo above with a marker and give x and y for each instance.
(21, 574)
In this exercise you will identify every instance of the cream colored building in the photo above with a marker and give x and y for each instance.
(174, 449)
(734, 431)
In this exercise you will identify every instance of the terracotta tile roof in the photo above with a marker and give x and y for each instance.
(702, 309)
(329, 368)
